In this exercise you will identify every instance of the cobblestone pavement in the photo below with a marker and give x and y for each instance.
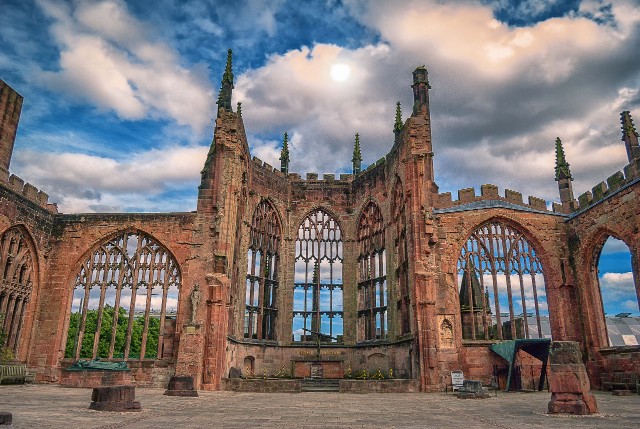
(48, 406)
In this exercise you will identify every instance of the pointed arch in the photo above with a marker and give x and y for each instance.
(616, 293)
(372, 278)
(263, 260)
(401, 248)
(125, 299)
(318, 287)
(501, 284)
(18, 274)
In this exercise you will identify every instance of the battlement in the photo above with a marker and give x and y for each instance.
(310, 177)
(28, 191)
(490, 192)
(603, 190)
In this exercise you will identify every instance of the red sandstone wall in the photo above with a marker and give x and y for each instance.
(75, 237)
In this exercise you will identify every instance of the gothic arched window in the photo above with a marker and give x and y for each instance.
(262, 274)
(402, 258)
(501, 285)
(17, 276)
(125, 301)
(372, 282)
(317, 291)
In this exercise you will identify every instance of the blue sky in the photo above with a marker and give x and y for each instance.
(119, 96)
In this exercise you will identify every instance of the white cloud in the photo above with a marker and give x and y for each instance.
(107, 58)
(615, 287)
(87, 183)
(500, 94)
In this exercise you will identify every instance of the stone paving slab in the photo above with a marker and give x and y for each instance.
(50, 406)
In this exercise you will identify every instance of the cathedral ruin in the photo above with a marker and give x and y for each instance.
(279, 275)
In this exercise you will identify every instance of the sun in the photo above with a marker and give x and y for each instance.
(340, 72)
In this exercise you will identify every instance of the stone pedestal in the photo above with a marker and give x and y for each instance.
(181, 386)
(5, 418)
(114, 398)
(568, 381)
(472, 389)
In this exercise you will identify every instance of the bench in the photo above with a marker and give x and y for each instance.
(14, 373)
(620, 381)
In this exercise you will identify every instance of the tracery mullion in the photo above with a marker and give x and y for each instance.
(148, 280)
(13, 323)
(163, 305)
(132, 306)
(507, 273)
(535, 300)
(514, 255)
(121, 271)
(96, 335)
(20, 322)
(84, 303)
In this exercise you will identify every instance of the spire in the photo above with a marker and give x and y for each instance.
(316, 273)
(562, 166)
(630, 136)
(563, 177)
(284, 155)
(224, 97)
(239, 108)
(397, 126)
(357, 156)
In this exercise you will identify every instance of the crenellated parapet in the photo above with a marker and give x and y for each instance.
(489, 194)
(29, 192)
(605, 189)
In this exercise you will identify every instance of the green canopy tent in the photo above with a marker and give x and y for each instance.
(537, 347)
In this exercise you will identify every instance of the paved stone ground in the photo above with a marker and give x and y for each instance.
(49, 406)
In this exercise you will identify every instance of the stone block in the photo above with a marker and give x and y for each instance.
(565, 352)
(513, 196)
(312, 176)
(466, 195)
(585, 199)
(181, 386)
(5, 418)
(328, 177)
(42, 198)
(569, 403)
(114, 398)
(568, 378)
(615, 180)
(537, 203)
(489, 191)
(30, 191)
(16, 183)
(346, 177)
(599, 190)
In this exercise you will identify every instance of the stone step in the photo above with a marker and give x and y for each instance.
(320, 385)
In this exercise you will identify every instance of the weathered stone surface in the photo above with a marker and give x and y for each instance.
(114, 398)
(568, 381)
(181, 386)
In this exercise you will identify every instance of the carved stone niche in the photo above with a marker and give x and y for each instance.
(445, 332)
(218, 285)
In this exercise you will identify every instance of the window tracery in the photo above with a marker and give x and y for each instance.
(402, 259)
(317, 293)
(372, 284)
(501, 285)
(262, 274)
(125, 301)
(16, 285)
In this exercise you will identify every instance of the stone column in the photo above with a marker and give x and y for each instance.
(568, 380)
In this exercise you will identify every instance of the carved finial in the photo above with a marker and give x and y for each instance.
(284, 155)
(357, 156)
(562, 166)
(226, 87)
(630, 136)
(397, 126)
(239, 108)
(228, 73)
